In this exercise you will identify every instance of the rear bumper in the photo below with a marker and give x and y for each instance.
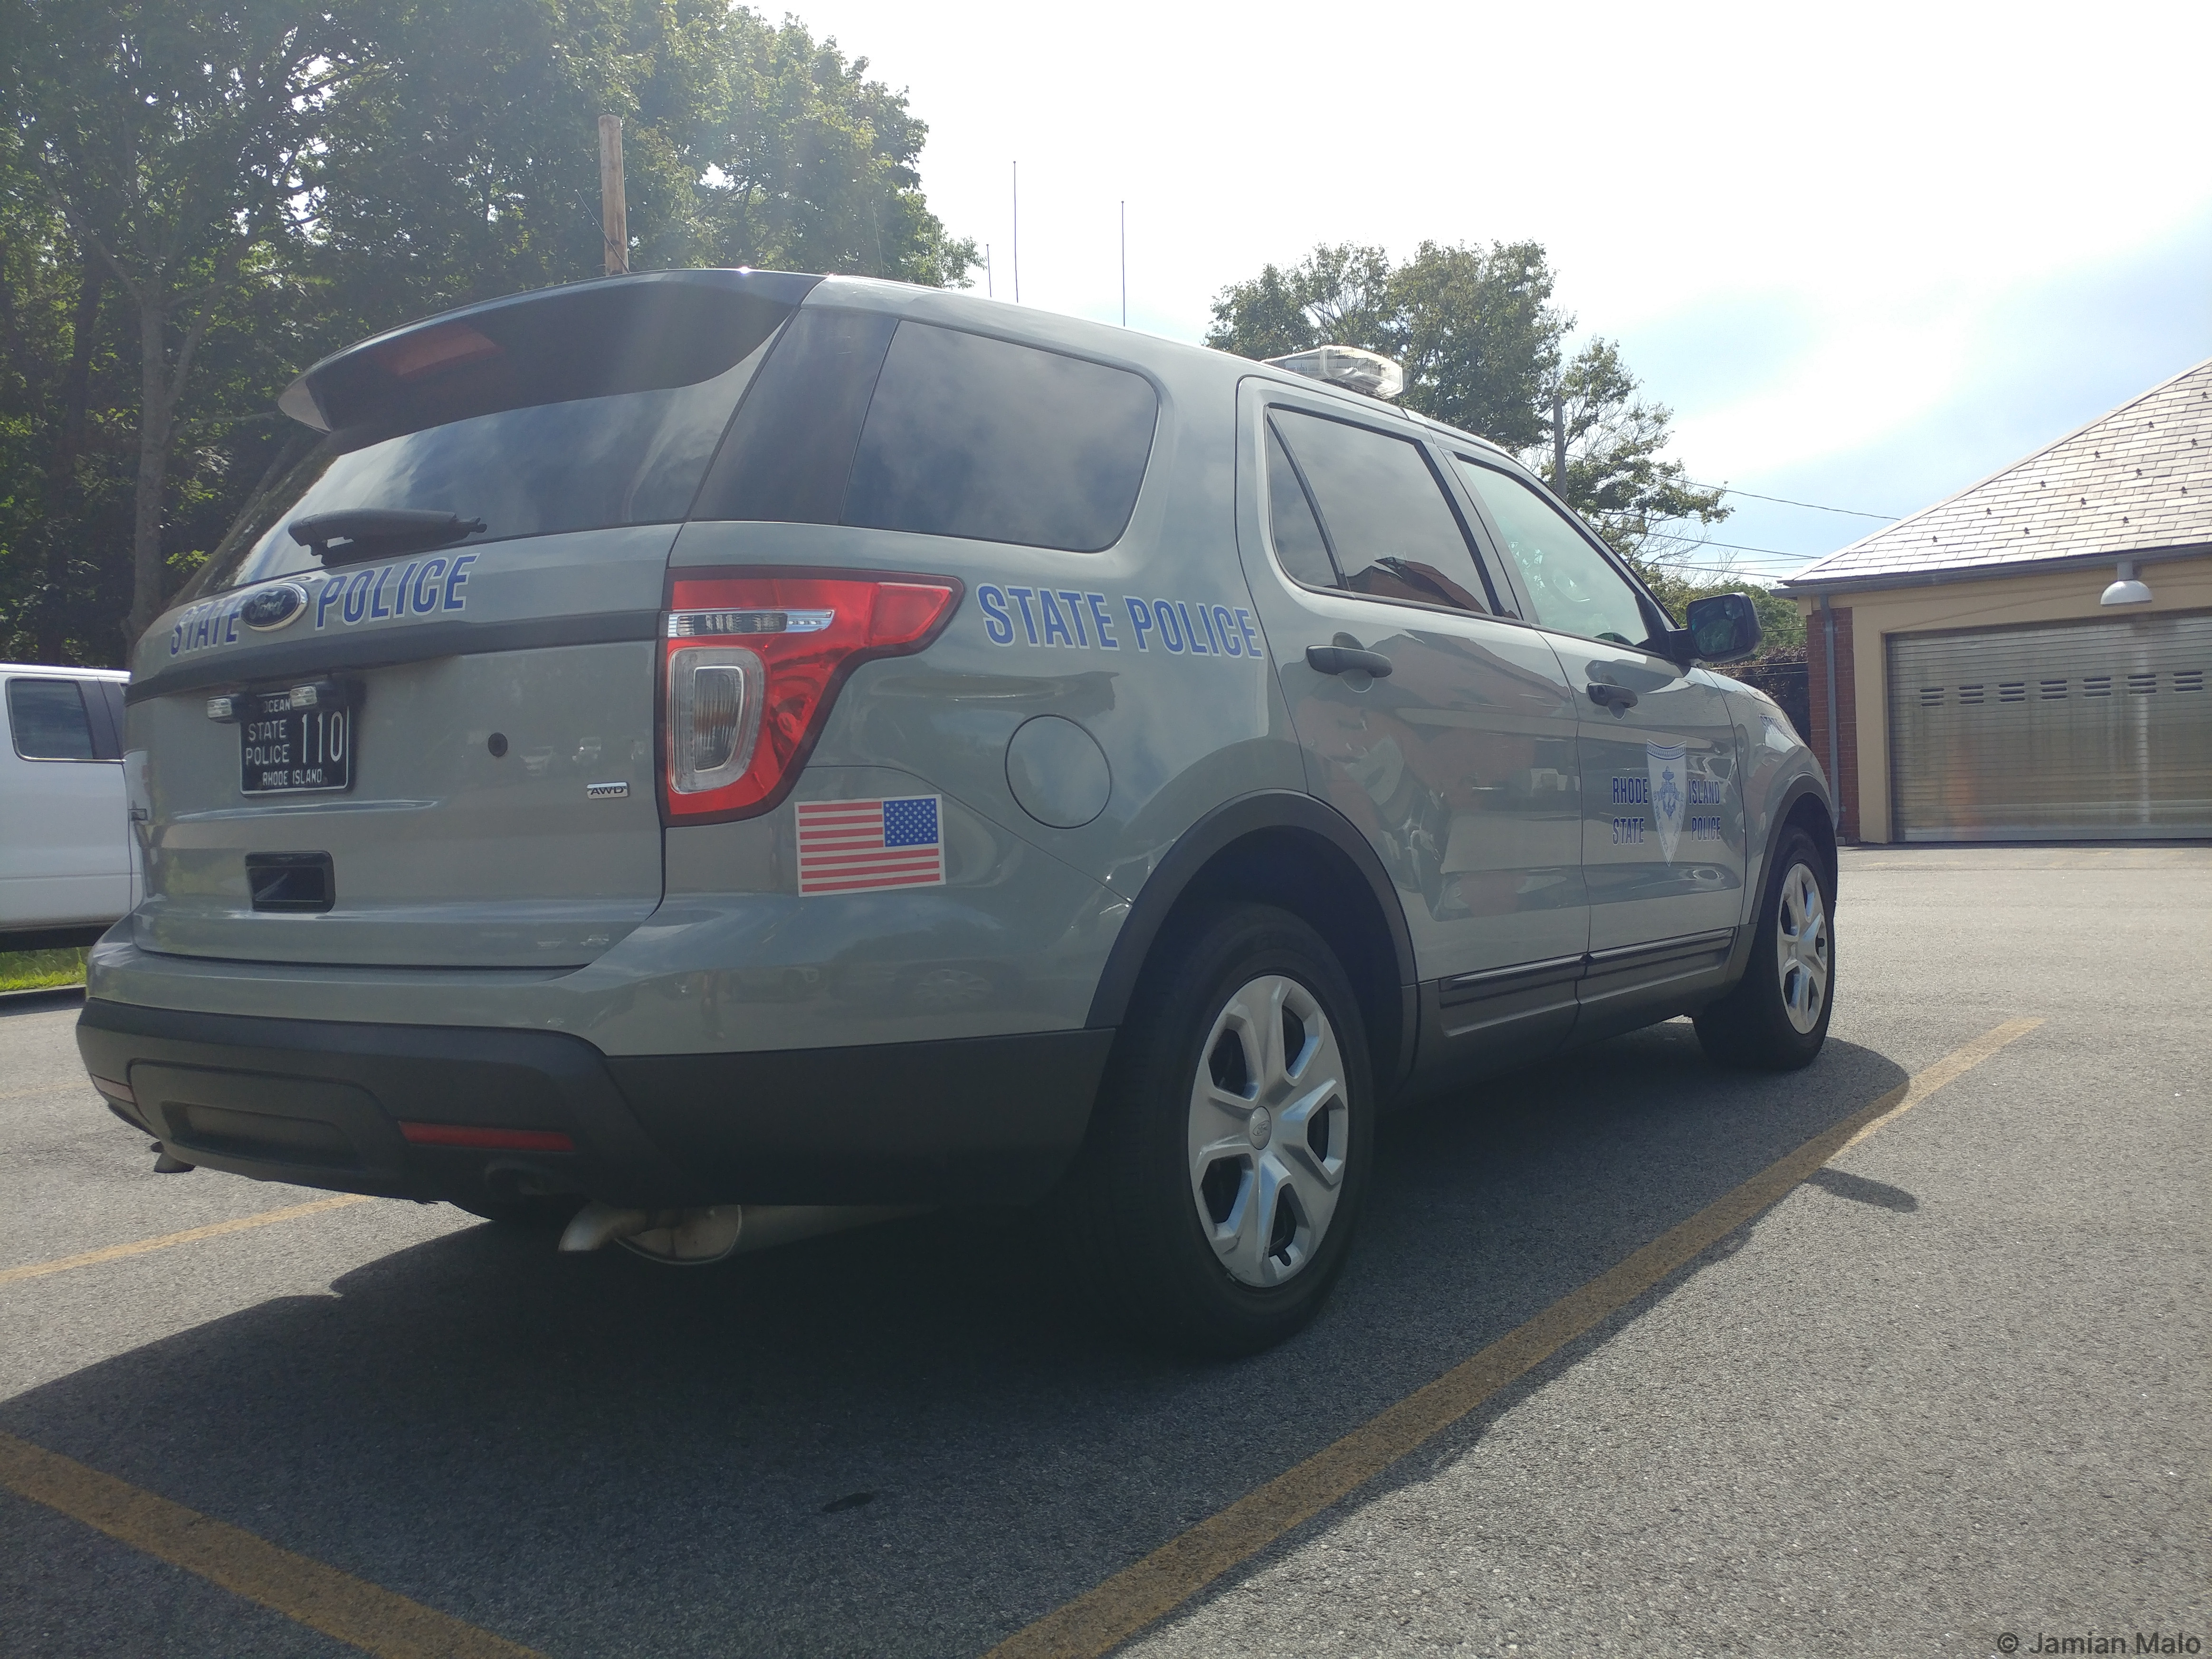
(321, 1103)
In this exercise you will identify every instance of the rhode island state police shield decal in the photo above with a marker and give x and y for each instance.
(1665, 766)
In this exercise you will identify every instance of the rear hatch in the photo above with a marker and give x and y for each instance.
(406, 715)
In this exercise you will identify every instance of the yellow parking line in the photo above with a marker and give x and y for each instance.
(1955, 1064)
(213, 1230)
(322, 1598)
(1102, 1619)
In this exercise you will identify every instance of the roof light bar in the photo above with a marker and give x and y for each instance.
(1353, 367)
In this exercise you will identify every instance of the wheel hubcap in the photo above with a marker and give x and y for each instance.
(1801, 949)
(1268, 1130)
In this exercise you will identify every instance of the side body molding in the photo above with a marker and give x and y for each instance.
(1276, 822)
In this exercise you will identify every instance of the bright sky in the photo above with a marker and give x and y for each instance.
(1866, 253)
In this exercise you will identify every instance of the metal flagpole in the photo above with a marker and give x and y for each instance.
(1017, 232)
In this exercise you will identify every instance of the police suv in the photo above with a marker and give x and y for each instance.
(706, 756)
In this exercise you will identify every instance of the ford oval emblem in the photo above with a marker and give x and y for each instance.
(272, 607)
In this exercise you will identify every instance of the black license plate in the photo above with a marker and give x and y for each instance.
(286, 748)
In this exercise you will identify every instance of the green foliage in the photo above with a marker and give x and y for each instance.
(171, 139)
(1615, 477)
(37, 970)
(1484, 350)
(1780, 624)
(201, 197)
(1474, 331)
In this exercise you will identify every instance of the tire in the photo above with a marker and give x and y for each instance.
(1777, 1018)
(1219, 1187)
(547, 1212)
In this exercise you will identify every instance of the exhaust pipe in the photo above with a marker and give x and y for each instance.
(695, 1238)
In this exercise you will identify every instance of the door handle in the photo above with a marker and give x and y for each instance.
(1618, 698)
(1345, 658)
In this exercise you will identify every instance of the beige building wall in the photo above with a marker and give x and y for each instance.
(1980, 602)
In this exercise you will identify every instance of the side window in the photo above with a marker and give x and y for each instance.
(108, 745)
(1571, 586)
(864, 420)
(1383, 514)
(789, 450)
(48, 721)
(1291, 520)
(981, 438)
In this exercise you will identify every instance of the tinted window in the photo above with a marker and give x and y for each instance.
(790, 451)
(103, 700)
(1392, 530)
(586, 464)
(863, 420)
(974, 437)
(1298, 542)
(48, 721)
(1571, 586)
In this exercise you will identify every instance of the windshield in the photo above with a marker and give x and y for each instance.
(586, 464)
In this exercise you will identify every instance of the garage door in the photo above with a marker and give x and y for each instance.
(2092, 730)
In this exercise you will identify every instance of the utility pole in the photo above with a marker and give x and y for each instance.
(1124, 264)
(614, 215)
(1017, 232)
(1559, 445)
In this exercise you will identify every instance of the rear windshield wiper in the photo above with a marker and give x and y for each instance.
(368, 532)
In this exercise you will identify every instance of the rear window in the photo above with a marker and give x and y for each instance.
(48, 721)
(861, 420)
(576, 418)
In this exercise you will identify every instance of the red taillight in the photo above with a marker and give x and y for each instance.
(751, 662)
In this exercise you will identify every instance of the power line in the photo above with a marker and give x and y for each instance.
(1753, 495)
(1727, 571)
(1689, 542)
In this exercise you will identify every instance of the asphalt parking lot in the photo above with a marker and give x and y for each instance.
(1954, 1388)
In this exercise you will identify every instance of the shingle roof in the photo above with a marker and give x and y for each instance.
(2133, 481)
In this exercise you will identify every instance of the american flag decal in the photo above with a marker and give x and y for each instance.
(854, 846)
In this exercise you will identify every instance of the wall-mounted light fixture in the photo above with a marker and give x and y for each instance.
(2126, 590)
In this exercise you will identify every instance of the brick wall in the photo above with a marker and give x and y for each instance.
(1845, 781)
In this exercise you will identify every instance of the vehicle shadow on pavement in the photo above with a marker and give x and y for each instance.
(595, 1455)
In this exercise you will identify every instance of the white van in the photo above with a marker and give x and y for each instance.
(69, 867)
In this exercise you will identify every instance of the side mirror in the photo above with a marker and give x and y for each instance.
(1723, 628)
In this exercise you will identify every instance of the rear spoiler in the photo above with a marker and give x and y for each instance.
(661, 329)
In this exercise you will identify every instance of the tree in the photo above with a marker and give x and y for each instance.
(1479, 337)
(1337, 295)
(50, 304)
(464, 165)
(1474, 330)
(1482, 347)
(1613, 442)
(169, 138)
(198, 200)
(1617, 480)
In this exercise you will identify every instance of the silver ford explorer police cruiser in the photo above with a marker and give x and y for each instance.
(715, 755)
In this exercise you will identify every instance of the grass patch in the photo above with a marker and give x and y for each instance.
(35, 970)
